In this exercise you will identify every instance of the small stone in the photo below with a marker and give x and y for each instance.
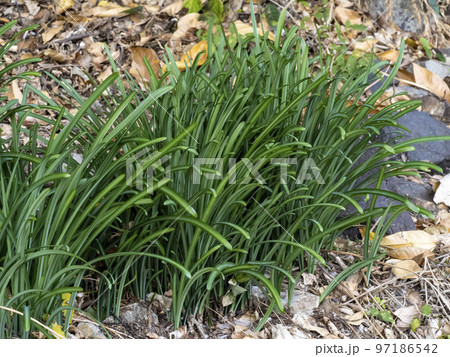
(433, 106)
(304, 303)
(90, 331)
(133, 313)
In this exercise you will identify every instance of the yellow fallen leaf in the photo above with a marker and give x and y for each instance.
(362, 231)
(390, 55)
(432, 82)
(58, 330)
(345, 15)
(138, 68)
(66, 299)
(244, 29)
(189, 57)
(406, 269)
(64, 5)
(418, 239)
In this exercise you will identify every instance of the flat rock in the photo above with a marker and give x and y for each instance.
(439, 68)
(421, 124)
(302, 302)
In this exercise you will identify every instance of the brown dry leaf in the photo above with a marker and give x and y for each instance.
(187, 23)
(406, 269)
(411, 253)
(32, 7)
(353, 282)
(244, 29)
(443, 218)
(310, 324)
(96, 50)
(432, 82)
(52, 31)
(418, 239)
(152, 9)
(406, 315)
(56, 56)
(365, 45)
(64, 5)
(138, 68)
(355, 319)
(390, 55)
(144, 38)
(108, 9)
(105, 74)
(174, 8)
(344, 3)
(14, 91)
(345, 15)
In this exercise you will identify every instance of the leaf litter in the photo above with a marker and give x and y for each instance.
(71, 41)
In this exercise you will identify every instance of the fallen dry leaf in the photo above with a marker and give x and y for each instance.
(174, 8)
(108, 9)
(411, 253)
(56, 56)
(406, 269)
(406, 315)
(443, 218)
(390, 55)
(56, 27)
(405, 76)
(189, 57)
(365, 45)
(97, 51)
(355, 319)
(244, 29)
(14, 91)
(419, 239)
(432, 82)
(344, 3)
(32, 7)
(187, 23)
(345, 15)
(442, 194)
(64, 5)
(105, 74)
(138, 68)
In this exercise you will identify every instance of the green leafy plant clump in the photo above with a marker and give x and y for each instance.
(228, 175)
